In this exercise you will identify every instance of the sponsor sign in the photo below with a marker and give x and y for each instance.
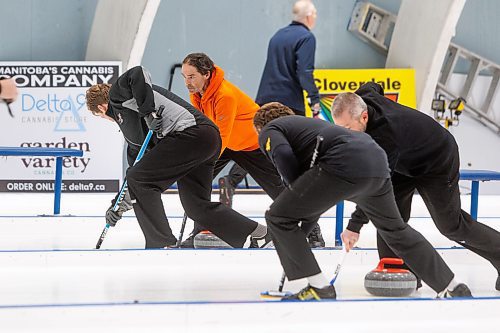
(50, 111)
(398, 84)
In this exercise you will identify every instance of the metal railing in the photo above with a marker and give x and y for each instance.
(481, 110)
(374, 25)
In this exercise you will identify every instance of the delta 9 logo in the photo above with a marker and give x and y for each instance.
(66, 113)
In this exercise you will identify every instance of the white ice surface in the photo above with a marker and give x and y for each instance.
(78, 289)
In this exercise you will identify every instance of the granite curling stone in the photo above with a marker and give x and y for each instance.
(390, 282)
(207, 240)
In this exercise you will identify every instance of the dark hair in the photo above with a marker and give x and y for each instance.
(201, 62)
(270, 111)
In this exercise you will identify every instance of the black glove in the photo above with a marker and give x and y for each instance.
(112, 217)
(154, 120)
(153, 123)
(125, 204)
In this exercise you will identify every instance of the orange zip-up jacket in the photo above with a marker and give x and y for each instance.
(231, 110)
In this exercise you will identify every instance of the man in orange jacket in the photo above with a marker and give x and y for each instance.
(232, 111)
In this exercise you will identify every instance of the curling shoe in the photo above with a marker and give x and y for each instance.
(311, 293)
(461, 290)
(264, 242)
(315, 238)
(188, 243)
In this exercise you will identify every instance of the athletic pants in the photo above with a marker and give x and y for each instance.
(315, 192)
(257, 165)
(440, 193)
(187, 157)
(237, 173)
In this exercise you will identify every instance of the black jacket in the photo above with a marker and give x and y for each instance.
(133, 96)
(415, 143)
(289, 143)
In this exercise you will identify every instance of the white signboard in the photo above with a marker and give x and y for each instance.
(50, 111)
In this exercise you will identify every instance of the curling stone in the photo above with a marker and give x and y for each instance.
(390, 282)
(207, 240)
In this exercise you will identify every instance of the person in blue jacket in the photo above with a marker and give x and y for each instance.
(288, 71)
(290, 63)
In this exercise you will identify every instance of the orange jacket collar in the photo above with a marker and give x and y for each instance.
(213, 85)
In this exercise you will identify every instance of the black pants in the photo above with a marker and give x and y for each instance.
(236, 175)
(315, 192)
(187, 157)
(257, 165)
(440, 192)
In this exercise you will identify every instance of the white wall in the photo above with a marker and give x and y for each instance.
(120, 30)
(420, 40)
